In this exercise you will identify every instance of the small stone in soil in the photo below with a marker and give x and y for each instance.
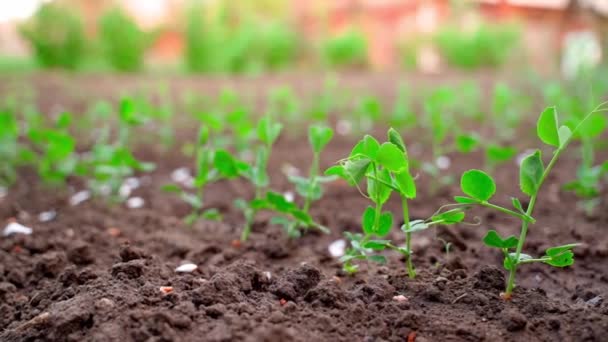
(289, 196)
(186, 268)
(282, 301)
(595, 301)
(166, 289)
(16, 228)
(514, 321)
(400, 299)
(80, 197)
(47, 216)
(124, 191)
(443, 163)
(336, 248)
(104, 303)
(135, 203)
(268, 275)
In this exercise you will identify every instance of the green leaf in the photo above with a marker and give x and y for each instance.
(212, 215)
(561, 256)
(171, 188)
(467, 143)
(384, 224)
(376, 245)
(478, 185)
(356, 169)
(593, 126)
(339, 171)
(449, 217)
(193, 200)
(395, 138)
(319, 136)
(380, 259)
(517, 205)
(279, 202)
(268, 131)
(531, 173)
(493, 239)
(368, 220)
(465, 200)
(203, 135)
(564, 135)
(391, 157)
(302, 217)
(226, 164)
(378, 191)
(546, 127)
(499, 154)
(406, 185)
(367, 147)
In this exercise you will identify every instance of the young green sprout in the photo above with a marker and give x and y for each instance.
(110, 163)
(310, 188)
(385, 167)
(211, 166)
(480, 188)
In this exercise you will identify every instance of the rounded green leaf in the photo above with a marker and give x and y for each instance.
(395, 138)
(319, 136)
(546, 127)
(368, 219)
(391, 157)
(492, 239)
(531, 173)
(477, 184)
(384, 224)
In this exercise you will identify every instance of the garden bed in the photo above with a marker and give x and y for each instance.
(105, 272)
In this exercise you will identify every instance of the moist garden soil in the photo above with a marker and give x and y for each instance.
(94, 273)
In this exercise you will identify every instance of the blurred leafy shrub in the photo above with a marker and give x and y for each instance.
(217, 45)
(56, 36)
(345, 50)
(487, 46)
(123, 42)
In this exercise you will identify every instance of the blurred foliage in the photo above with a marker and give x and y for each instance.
(486, 46)
(348, 49)
(56, 36)
(123, 42)
(219, 43)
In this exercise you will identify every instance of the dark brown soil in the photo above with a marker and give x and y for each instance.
(95, 272)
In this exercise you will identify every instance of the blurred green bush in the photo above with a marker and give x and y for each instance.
(56, 36)
(124, 44)
(348, 49)
(487, 46)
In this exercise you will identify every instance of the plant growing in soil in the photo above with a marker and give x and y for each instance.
(310, 188)
(9, 135)
(480, 188)
(385, 167)
(109, 163)
(211, 165)
(55, 148)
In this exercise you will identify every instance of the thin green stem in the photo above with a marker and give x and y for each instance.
(522, 217)
(524, 225)
(314, 170)
(408, 238)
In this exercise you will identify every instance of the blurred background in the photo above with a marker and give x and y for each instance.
(261, 36)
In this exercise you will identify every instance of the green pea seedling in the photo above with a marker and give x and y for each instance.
(110, 162)
(310, 188)
(480, 188)
(9, 145)
(211, 166)
(55, 147)
(385, 167)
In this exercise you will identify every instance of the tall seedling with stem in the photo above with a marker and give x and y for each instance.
(211, 165)
(311, 188)
(480, 188)
(267, 131)
(385, 167)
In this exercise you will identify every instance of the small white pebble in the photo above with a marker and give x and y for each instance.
(124, 191)
(132, 182)
(336, 248)
(443, 162)
(80, 197)
(16, 228)
(186, 268)
(268, 275)
(290, 170)
(343, 127)
(135, 203)
(289, 196)
(47, 216)
(182, 176)
(538, 278)
(400, 298)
